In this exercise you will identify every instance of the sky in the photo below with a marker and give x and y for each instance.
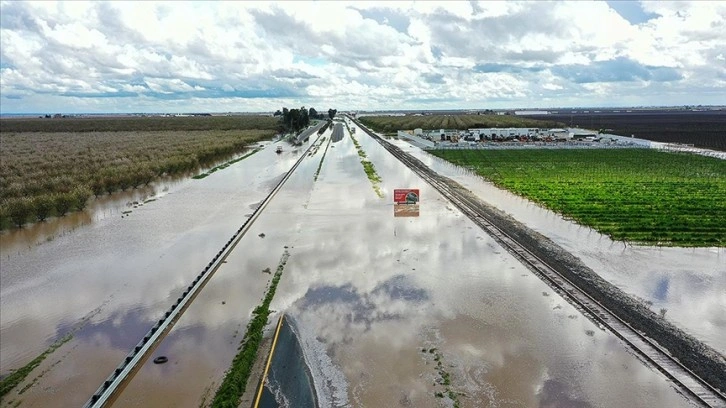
(126, 57)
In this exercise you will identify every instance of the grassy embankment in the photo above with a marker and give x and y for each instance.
(233, 385)
(637, 195)
(391, 124)
(320, 165)
(50, 167)
(17, 376)
(368, 168)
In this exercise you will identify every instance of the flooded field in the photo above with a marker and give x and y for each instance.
(689, 283)
(108, 281)
(412, 312)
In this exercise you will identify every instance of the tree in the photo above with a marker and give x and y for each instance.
(19, 210)
(44, 204)
(332, 112)
(277, 113)
(304, 118)
(296, 119)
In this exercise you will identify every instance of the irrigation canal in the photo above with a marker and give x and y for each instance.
(403, 311)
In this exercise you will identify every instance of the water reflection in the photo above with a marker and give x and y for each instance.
(132, 268)
(98, 208)
(554, 394)
(689, 283)
(367, 291)
(204, 341)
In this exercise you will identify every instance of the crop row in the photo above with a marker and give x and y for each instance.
(135, 123)
(388, 124)
(50, 174)
(638, 195)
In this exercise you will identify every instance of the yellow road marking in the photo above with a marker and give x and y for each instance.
(269, 361)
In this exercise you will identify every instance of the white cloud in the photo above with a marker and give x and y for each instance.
(70, 56)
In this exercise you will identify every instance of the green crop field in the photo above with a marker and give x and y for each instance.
(388, 124)
(638, 195)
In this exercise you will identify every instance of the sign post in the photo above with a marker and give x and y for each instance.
(406, 202)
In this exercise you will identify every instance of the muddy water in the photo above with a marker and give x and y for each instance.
(689, 283)
(368, 293)
(108, 281)
(202, 344)
(17, 241)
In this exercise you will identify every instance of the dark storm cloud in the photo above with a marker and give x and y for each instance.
(17, 16)
(490, 67)
(120, 94)
(617, 70)
(111, 25)
(531, 55)
(434, 78)
(292, 74)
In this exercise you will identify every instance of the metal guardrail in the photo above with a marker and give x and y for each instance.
(139, 352)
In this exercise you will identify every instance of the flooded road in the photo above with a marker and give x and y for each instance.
(410, 312)
(108, 281)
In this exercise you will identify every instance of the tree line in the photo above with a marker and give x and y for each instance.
(298, 119)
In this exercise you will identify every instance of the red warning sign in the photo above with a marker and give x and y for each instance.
(406, 196)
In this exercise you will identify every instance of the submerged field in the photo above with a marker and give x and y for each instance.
(389, 124)
(638, 195)
(51, 173)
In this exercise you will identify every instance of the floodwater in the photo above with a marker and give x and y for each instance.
(689, 283)
(378, 301)
(369, 292)
(202, 344)
(108, 281)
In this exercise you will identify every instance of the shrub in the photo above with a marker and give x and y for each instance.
(81, 195)
(44, 205)
(19, 210)
(64, 202)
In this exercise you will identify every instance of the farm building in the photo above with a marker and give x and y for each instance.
(559, 134)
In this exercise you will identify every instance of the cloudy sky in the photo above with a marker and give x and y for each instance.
(74, 57)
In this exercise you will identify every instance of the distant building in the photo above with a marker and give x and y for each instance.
(532, 112)
(560, 134)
